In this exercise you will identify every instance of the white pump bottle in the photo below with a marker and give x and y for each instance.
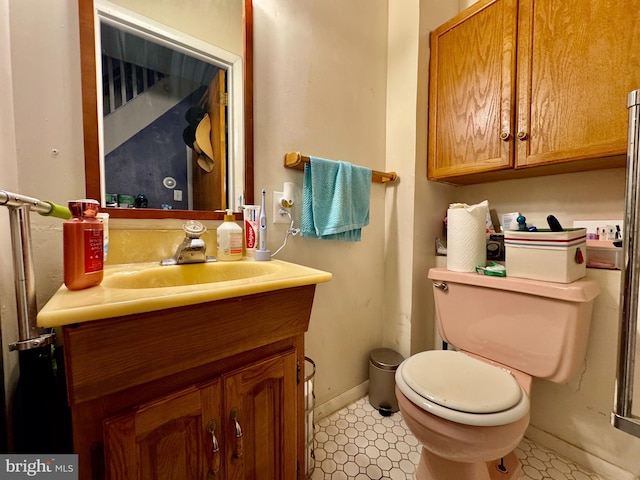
(229, 236)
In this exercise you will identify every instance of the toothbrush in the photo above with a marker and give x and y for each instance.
(263, 222)
(262, 254)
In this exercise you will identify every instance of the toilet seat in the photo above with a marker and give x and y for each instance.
(478, 386)
(457, 387)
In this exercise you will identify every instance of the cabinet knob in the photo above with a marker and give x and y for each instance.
(239, 449)
(522, 135)
(505, 136)
(215, 450)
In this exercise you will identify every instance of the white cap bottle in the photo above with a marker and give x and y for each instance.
(229, 237)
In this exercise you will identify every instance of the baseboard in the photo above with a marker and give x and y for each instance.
(599, 466)
(337, 403)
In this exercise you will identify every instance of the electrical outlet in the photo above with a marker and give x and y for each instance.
(277, 218)
(177, 195)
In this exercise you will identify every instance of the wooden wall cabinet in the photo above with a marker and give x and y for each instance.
(211, 391)
(521, 88)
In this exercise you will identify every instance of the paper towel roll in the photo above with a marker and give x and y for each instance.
(466, 236)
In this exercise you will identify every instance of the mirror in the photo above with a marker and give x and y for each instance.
(192, 98)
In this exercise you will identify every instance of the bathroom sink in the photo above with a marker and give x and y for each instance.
(182, 275)
(135, 288)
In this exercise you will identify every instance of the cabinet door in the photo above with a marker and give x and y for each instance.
(168, 439)
(577, 61)
(260, 411)
(472, 90)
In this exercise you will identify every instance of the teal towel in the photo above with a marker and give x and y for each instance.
(335, 200)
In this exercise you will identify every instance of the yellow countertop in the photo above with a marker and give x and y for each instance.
(144, 287)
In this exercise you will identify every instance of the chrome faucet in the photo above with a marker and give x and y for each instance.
(193, 248)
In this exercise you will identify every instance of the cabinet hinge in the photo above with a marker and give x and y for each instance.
(297, 372)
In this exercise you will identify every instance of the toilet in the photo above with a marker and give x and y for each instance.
(469, 405)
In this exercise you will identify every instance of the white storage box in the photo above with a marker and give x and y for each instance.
(603, 254)
(545, 255)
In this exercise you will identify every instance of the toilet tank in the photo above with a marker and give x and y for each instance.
(539, 328)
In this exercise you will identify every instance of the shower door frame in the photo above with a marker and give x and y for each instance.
(622, 416)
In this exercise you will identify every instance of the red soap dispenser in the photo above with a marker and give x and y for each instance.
(83, 245)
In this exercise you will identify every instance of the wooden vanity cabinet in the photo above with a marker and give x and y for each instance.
(149, 392)
(233, 428)
(166, 438)
(521, 88)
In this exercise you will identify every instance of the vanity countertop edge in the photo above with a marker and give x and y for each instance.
(71, 307)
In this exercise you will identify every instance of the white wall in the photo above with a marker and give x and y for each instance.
(341, 81)
(414, 207)
(9, 182)
(320, 88)
(48, 121)
(223, 25)
(39, 114)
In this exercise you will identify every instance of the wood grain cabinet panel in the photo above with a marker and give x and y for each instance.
(261, 399)
(559, 71)
(148, 392)
(165, 439)
(577, 62)
(472, 75)
(251, 412)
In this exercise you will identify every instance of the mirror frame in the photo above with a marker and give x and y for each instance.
(86, 14)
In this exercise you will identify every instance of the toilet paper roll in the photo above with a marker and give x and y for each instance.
(466, 236)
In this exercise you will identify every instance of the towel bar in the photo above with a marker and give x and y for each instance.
(296, 161)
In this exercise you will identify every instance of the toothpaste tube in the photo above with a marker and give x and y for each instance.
(251, 225)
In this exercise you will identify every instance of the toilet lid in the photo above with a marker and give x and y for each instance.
(460, 382)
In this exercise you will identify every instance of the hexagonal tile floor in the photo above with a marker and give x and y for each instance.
(359, 443)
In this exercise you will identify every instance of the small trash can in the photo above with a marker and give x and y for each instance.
(383, 363)
(309, 405)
